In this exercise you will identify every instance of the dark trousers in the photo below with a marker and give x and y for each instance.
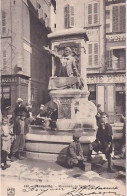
(18, 144)
(3, 156)
(96, 146)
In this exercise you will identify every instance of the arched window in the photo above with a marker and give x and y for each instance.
(68, 16)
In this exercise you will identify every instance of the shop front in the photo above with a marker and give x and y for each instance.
(109, 91)
(12, 87)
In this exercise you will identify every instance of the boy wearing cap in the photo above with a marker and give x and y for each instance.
(75, 153)
(103, 140)
(20, 130)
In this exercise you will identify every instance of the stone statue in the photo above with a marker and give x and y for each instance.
(66, 67)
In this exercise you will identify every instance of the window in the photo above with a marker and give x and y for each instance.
(109, 59)
(118, 15)
(93, 52)
(3, 22)
(6, 96)
(93, 13)
(116, 59)
(68, 16)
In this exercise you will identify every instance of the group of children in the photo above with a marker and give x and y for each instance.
(13, 142)
(12, 139)
(102, 143)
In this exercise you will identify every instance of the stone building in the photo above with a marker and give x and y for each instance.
(25, 67)
(104, 22)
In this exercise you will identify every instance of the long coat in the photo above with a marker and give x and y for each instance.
(17, 127)
(69, 64)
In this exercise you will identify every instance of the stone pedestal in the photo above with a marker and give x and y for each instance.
(74, 109)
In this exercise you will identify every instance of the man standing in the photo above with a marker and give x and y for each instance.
(20, 130)
(20, 108)
(103, 140)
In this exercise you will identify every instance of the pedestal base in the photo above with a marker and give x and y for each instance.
(72, 124)
(74, 109)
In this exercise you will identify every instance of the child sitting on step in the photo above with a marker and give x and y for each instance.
(75, 153)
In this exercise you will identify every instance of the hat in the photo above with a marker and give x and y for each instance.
(19, 100)
(98, 105)
(77, 135)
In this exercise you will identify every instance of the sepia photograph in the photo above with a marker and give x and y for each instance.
(63, 97)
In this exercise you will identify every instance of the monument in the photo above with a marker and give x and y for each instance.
(68, 90)
(68, 86)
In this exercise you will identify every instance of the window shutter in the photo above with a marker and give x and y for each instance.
(115, 13)
(71, 14)
(3, 22)
(4, 58)
(122, 18)
(89, 14)
(90, 54)
(66, 16)
(96, 14)
(95, 54)
(109, 58)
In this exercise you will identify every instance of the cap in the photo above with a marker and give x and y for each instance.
(77, 135)
(41, 106)
(104, 114)
(4, 120)
(19, 100)
(22, 114)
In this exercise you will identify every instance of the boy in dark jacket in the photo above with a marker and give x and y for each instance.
(75, 153)
(20, 130)
(103, 140)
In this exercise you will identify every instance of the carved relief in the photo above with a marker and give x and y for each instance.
(66, 111)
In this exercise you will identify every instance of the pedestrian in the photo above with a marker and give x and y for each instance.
(123, 139)
(98, 115)
(75, 153)
(103, 141)
(20, 130)
(5, 143)
(20, 108)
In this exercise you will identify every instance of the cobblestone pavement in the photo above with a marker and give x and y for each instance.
(36, 177)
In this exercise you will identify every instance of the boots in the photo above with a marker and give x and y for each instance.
(13, 158)
(109, 166)
(19, 156)
(5, 166)
(82, 165)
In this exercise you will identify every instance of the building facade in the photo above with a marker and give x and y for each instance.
(25, 66)
(113, 91)
(104, 22)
